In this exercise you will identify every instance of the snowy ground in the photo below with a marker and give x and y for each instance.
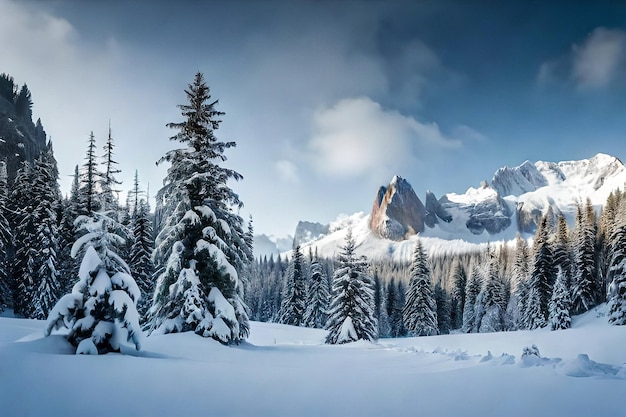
(287, 371)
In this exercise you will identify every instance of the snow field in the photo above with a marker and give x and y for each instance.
(289, 371)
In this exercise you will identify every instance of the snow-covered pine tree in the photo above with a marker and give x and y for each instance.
(519, 287)
(605, 231)
(542, 277)
(559, 317)
(420, 310)
(68, 268)
(24, 227)
(459, 280)
(101, 311)
(317, 296)
(380, 301)
(493, 303)
(562, 252)
(351, 312)
(442, 301)
(294, 299)
(6, 238)
(474, 285)
(584, 287)
(200, 248)
(140, 257)
(617, 268)
(45, 190)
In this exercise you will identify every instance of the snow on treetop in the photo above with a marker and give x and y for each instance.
(91, 262)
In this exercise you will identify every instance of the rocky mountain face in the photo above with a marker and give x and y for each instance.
(397, 212)
(514, 201)
(20, 139)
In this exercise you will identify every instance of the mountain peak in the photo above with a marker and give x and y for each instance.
(397, 212)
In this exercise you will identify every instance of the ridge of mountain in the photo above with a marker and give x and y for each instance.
(511, 203)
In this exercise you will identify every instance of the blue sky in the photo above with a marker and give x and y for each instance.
(328, 100)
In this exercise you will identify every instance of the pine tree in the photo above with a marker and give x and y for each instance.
(88, 195)
(45, 190)
(559, 317)
(459, 279)
(70, 211)
(317, 296)
(474, 285)
(24, 104)
(584, 286)
(6, 238)
(617, 268)
(608, 221)
(542, 277)
(420, 311)
(493, 303)
(516, 309)
(100, 312)
(140, 260)
(562, 252)
(200, 249)
(380, 311)
(24, 227)
(442, 301)
(294, 301)
(108, 182)
(351, 313)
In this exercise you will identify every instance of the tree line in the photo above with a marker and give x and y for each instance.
(563, 272)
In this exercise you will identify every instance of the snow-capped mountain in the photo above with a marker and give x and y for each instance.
(512, 202)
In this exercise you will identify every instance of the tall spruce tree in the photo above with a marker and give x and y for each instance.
(584, 291)
(108, 182)
(24, 227)
(459, 279)
(140, 256)
(88, 194)
(617, 268)
(351, 313)
(317, 296)
(443, 303)
(294, 301)
(420, 311)
(493, 302)
(519, 286)
(542, 277)
(474, 285)
(45, 190)
(200, 248)
(6, 239)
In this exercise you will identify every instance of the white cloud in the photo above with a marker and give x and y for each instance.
(597, 60)
(287, 171)
(595, 63)
(357, 137)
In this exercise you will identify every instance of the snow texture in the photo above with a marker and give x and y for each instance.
(287, 371)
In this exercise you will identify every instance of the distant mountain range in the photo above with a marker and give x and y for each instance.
(513, 201)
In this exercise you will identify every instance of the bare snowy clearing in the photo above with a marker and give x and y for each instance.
(289, 371)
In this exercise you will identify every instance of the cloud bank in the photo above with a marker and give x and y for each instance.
(357, 137)
(595, 63)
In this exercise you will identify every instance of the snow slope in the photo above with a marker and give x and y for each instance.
(288, 371)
